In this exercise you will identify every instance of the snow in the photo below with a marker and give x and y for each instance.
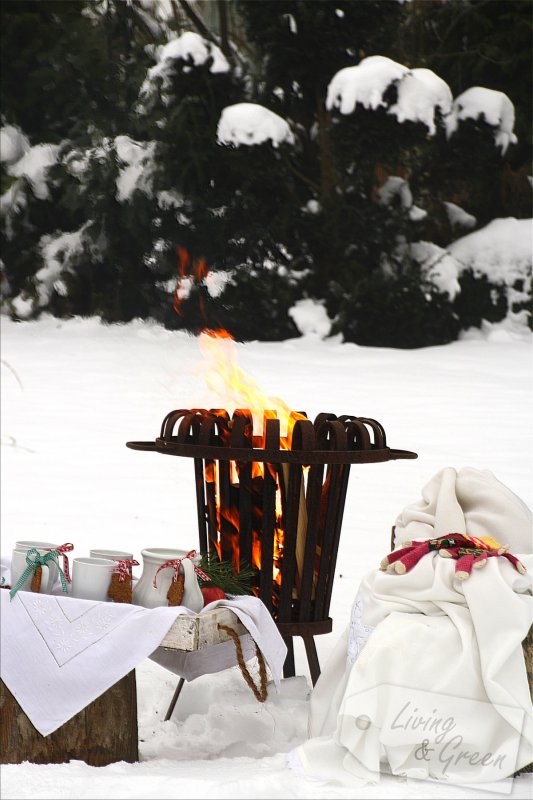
(458, 217)
(437, 266)
(502, 250)
(251, 124)
(137, 160)
(12, 202)
(420, 93)
(365, 84)
(34, 165)
(495, 107)
(396, 187)
(311, 318)
(215, 282)
(190, 46)
(75, 391)
(56, 251)
(13, 144)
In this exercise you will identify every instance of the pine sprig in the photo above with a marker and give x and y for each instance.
(223, 575)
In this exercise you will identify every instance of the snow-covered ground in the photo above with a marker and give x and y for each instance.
(74, 392)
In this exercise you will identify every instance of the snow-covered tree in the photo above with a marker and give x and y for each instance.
(232, 164)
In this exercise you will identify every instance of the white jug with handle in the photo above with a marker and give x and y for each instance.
(150, 596)
(192, 595)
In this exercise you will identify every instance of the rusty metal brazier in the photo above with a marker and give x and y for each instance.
(276, 503)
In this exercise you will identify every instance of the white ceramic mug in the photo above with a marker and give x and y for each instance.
(114, 555)
(19, 565)
(91, 577)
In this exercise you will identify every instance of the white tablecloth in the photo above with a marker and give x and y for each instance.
(60, 653)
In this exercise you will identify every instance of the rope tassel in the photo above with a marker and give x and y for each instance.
(261, 693)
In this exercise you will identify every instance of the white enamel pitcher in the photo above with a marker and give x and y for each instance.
(150, 596)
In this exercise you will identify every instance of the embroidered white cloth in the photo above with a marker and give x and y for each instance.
(60, 653)
(429, 678)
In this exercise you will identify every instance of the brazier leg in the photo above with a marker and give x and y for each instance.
(312, 657)
(288, 666)
(174, 700)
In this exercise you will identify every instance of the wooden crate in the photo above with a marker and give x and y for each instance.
(195, 633)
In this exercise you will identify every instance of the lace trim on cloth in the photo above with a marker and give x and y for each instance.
(359, 632)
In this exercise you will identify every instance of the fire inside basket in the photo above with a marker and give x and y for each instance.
(276, 502)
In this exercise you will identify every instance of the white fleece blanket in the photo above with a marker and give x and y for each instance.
(429, 678)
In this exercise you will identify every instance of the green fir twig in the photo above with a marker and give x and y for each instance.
(223, 575)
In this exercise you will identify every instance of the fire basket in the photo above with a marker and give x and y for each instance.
(276, 502)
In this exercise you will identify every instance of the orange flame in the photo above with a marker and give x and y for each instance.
(236, 389)
(189, 273)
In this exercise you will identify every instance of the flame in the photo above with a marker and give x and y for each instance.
(189, 273)
(235, 389)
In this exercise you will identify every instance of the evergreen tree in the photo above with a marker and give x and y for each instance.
(146, 213)
(68, 66)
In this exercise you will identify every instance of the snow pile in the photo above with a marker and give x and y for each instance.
(251, 124)
(311, 318)
(458, 217)
(11, 203)
(34, 165)
(364, 84)
(492, 106)
(13, 144)
(135, 163)
(135, 175)
(57, 251)
(251, 729)
(438, 267)
(190, 49)
(420, 91)
(25, 164)
(398, 188)
(215, 282)
(503, 251)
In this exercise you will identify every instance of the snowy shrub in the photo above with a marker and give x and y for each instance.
(496, 267)
(333, 155)
(400, 311)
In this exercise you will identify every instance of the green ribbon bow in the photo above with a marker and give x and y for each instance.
(38, 561)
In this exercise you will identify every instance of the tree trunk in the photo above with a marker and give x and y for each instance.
(102, 733)
(328, 171)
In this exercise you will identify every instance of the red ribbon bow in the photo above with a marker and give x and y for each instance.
(176, 564)
(124, 567)
(62, 550)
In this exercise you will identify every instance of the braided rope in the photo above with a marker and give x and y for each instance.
(261, 693)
